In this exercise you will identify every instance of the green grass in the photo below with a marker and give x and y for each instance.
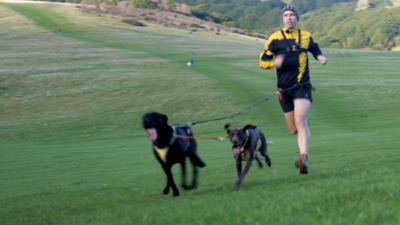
(73, 151)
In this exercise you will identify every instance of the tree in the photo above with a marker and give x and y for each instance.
(146, 4)
(219, 18)
(359, 40)
(390, 27)
(379, 38)
(304, 5)
(247, 22)
(200, 11)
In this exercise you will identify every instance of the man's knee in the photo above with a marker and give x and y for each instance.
(293, 130)
(301, 123)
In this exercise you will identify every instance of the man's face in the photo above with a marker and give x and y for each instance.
(289, 19)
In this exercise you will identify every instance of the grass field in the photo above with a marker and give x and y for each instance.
(73, 151)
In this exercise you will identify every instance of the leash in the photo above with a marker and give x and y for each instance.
(232, 117)
(279, 93)
(208, 138)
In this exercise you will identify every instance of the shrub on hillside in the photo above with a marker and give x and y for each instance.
(336, 45)
(185, 9)
(200, 11)
(133, 22)
(229, 24)
(145, 4)
(90, 2)
(112, 2)
(258, 35)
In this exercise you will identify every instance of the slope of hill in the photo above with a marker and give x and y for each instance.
(334, 23)
(73, 89)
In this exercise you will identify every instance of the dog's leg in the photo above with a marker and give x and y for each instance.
(195, 173)
(265, 154)
(258, 160)
(249, 161)
(238, 167)
(199, 162)
(194, 181)
(264, 150)
(183, 165)
(170, 181)
(268, 161)
(194, 158)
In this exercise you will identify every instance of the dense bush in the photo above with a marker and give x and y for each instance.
(145, 4)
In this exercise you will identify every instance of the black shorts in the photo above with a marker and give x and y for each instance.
(287, 101)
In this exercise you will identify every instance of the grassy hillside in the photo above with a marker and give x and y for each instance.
(73, 88)
(341, 26)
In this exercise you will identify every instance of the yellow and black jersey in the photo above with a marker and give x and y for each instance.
(294, 68)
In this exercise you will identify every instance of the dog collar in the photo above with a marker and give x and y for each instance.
(242, 150)
(162, 153)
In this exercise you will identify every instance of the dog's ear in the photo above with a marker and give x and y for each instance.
(248, 126)
(144, 120)
(227, 127)
(164, 118)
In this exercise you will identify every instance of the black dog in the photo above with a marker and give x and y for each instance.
(169, 149)
(245, 144)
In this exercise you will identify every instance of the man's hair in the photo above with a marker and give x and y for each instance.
(293, 9)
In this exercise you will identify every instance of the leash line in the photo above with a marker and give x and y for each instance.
(208, 138)
(264, 100)
(193, 123)
(279, 92)
(231, 117)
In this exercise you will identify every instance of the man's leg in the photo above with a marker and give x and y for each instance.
(289, 116)
(301, 108)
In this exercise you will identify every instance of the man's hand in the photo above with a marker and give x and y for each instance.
(279, 61)
(322, 60)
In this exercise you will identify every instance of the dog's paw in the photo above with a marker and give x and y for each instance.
(239, 185)
(268, 161)
(166, 191)
(186, 187)
(176, 194)
(201, 164)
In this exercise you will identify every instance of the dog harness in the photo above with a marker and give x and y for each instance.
(294, 45)
(162, 152)
(242, 155)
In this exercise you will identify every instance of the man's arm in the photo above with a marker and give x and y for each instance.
(316, 51)
(267, 55)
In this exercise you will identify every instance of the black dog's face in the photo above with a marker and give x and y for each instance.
(152, 122)
(237, 137)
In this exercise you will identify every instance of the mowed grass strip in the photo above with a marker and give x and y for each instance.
(73, 151)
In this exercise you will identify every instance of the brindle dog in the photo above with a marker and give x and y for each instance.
(245, 144)
(169, 149)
